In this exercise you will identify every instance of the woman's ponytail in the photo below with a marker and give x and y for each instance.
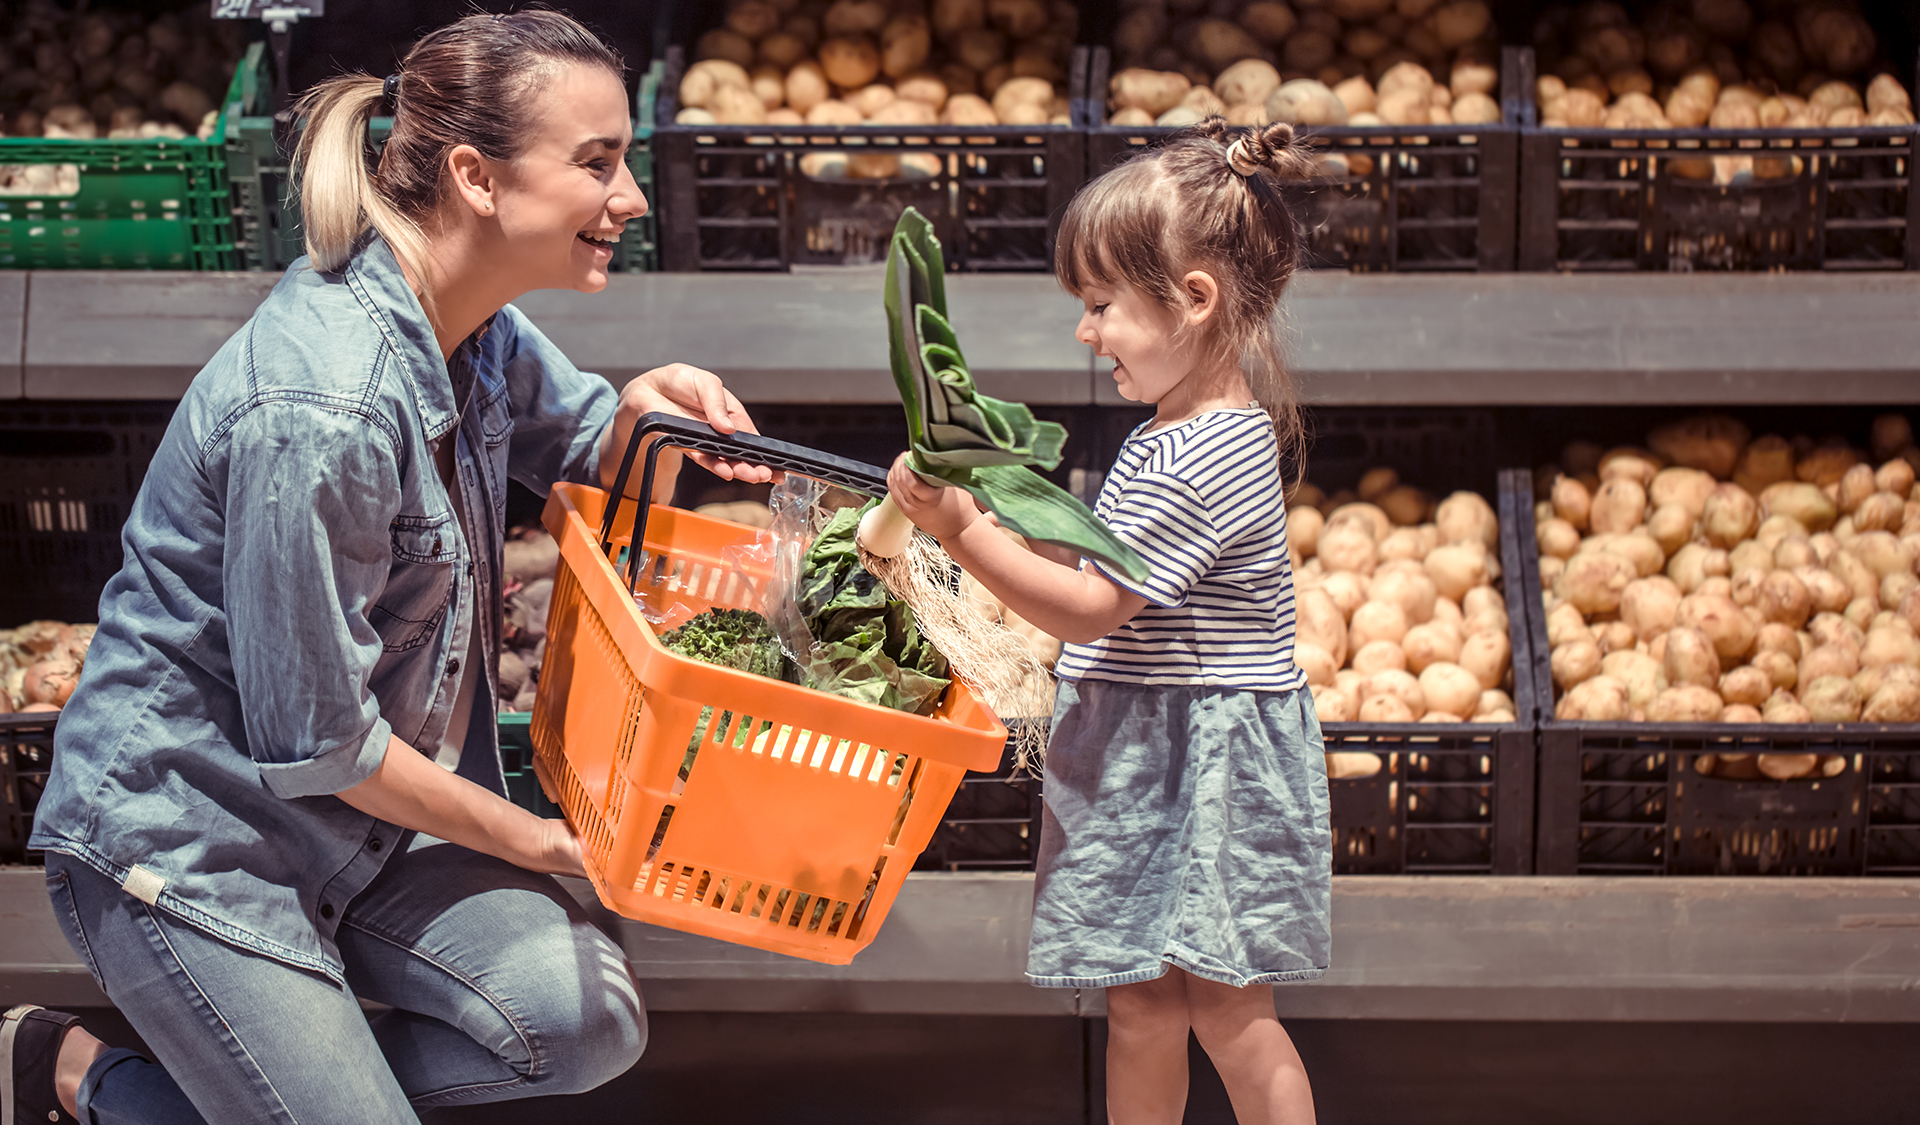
(338, 199)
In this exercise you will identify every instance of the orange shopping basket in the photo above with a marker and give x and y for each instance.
(793, 824)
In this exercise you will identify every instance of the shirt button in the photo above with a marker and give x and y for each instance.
(326, 910)
(436, 544)
(374, 844)
(453, 666)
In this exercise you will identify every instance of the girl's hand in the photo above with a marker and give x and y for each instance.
(690, 393)
(940, 512)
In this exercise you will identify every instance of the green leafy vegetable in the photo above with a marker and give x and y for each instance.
(732, 638)
(969, 440)
(867, 644)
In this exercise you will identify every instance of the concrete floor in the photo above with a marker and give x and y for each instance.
(735, 1069)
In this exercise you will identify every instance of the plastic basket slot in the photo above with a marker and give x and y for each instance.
(906, 798)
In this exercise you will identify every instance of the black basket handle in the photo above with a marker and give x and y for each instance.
(685, 433)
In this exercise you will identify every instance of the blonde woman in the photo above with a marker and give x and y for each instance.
(277, 789)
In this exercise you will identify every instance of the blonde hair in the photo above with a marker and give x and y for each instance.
(469, 83)
(1209, 199)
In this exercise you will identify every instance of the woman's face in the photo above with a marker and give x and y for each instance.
(562, 202)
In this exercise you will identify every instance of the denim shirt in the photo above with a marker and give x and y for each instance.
(294, 593)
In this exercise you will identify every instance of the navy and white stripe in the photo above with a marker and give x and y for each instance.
(1202, 503)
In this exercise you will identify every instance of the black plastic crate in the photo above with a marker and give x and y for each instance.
(1452, 798)
(1628, 799)
(992, 824)
(1840, 199)
(26, 754)
(1426, 198)
(760, 197)
(68, 475)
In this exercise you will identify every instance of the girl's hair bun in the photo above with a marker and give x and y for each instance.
(1274, 148)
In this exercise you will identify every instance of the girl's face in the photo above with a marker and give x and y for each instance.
(562, 203)
(1138, 335)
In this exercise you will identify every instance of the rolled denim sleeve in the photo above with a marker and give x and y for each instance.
(559, 411)
(310, 495)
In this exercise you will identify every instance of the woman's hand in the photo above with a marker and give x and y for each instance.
(940, 512)
(558, 851)
(688, 392)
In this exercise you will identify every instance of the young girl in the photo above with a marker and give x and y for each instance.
(1186, 854)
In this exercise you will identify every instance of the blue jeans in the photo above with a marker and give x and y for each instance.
(496, 985)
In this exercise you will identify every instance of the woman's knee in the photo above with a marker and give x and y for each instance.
(582, 1038)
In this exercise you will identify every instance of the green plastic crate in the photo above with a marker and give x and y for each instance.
(266, 204)
(138, 204)
(516, 760)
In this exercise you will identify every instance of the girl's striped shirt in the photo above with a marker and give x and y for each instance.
(1202, 503)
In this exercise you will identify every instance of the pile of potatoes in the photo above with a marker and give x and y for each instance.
(1316, 62)
(1714, 63)
(883, 62)
(1253, 92)
(107, 72)
(1714, 577)
(40, 664)
(1396, 615)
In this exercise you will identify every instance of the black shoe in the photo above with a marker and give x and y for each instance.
(30, 1039)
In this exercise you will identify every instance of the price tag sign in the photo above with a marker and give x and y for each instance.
(268, 9)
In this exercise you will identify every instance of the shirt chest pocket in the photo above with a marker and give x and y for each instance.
(414, 605)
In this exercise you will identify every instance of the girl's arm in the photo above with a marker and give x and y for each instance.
(411, 791)
(1078, 606)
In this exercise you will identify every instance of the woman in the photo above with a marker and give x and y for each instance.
(278, 786)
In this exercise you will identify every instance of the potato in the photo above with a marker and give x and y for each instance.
(1151, 90)
(1016, 92)
(1782, 707)
(1305, 101)
(1566, 623)
(1386, 709)
(972, 109)
(693, 115)
(850, 61)
(1746, 685)
(1575, 662)
(1786, 767)
(1777, 637)
(1316, 663)
(1357, 95)
(1694, 563)
(1572, 502)
(1348, 591)
(1308, 50)
(1730, 515)
(1826, 593)
(1896, 476)
(1430, 644)
(733, 105)
(1686, 703)
(1630, 463)
(1404, 543)
(1831, 699)
(1348, 546)
(1450, 688)
(1883, 553)
(1891, 643)
(1618, 506)
(1894, 589)
(730, 46)
(1614, 636)
(1871, 680)
(1781, 670)
(1318, 621)
(1893, 703)
(51, 679)
(1856, 484)
(1832, 659)
(1688, 488)
(1690, 658)
(1394, 684)
(1710, 443)
(1304, 525)
(1636, 547)
(1832, 629)
(1595, 581)
(1670, 526)
(1825, 466)
(1790, 552)
(1601, 699)
(752, 19)
(834, 112)
(1414, 593)
(950, 17)
(1377, 621)
(1731, 631)
(806, 87)
(1557, 537)
(1488, 656)
(901, 111)
(1643, 674)
(1249, 80)
(705, 78)
(1379, 656)
(1785, 599)
(1331, 705)
(1457, 568)
(1466, 517)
